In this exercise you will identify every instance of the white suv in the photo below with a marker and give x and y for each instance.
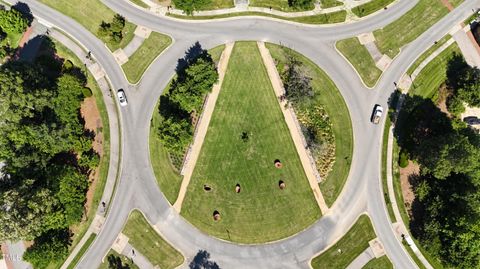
(122, 97)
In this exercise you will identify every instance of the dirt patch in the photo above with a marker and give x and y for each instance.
(93, 122)
(447, 4)
(407, 191)
(443, 94)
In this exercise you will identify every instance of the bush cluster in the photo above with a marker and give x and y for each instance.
(114, 29)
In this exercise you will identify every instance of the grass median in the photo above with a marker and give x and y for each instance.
(326, 18)
(407, 28)
(327, 95)
(90, 14)
(149, 243)
(352, 244)
(330, 3)
(379, 263)
(145, 55)
(361, 60)
(262, 211)
(370, 7)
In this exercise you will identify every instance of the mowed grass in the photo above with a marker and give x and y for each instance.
(361, 60)
(379, 263)
(433, 75)
(370, 7)
(168, 177)
(90, 14)
(427, 53)
(330, 3)
(327, 18)
(148, 242)
(261, 212)
(281, 5)
(125, 261)
(352, 244)
(219, 4)
(407, 28)
(328, 95)
(144, 56)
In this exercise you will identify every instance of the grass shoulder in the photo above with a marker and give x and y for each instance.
(361, 60)
(148, 242)
(379, 263)
(80, 253)
(352, 244)
(370, 7)
(427, 53)
(141, 59)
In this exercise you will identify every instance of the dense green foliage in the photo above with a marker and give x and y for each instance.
(183, 103)
(114, 29)
(301, 4)
(46, 151)
(189, 6)
(12, 21)
(446, 212)
(51, 246)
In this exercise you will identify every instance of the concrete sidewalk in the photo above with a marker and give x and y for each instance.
(468, 46)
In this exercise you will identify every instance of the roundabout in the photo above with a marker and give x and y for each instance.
(137, 186)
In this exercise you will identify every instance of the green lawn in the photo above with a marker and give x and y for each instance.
(370, 7)
(433, 75)
(148, 242)
(379, 263)
(261, 212)
(219, 4)
(82, 251)
(427, 53)
(145, 55)
(352, 244)
(408, 27)
(388, 123)
(125, 261)
(140, 3)
(456, 3)
(330, 3)
(90, 14)
(281, 5)
(333, 17)
(329, 96)
(361, 60)
(168, 177)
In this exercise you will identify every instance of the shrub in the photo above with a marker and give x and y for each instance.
(50, 246)
(455, 105)
(87, 92)
(403, 160)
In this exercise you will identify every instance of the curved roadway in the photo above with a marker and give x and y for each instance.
(137, 187)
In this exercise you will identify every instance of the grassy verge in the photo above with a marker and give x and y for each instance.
(145, 55)
(352, 244)
(456, 3)
(148, 242)
(370, 7)
(328, 95)
(82, 251)
(428, 81)
(90, 14)
(379, 263)
(388, 123)
(330, 3)
(361, 60)
(281, 5)
(261, 212)
(113, 258)
(140, 3)
(407, 28)
(219, 4)
(81, 228)
(333, 17)
(427, 53)
(168, 177)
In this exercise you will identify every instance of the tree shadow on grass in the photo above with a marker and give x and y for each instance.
(202, 261)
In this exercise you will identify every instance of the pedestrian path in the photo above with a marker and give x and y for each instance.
(468, 46)
(202, 127)
(293, 126)
(362, 259)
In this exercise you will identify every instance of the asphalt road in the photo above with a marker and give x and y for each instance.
(137, 187)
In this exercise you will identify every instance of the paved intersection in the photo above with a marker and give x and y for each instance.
(137, 186)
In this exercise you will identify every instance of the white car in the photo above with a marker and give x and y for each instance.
(377, 114)
(122, 97)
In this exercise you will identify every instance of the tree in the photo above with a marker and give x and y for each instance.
(189, 6)
(301, 4)
(114, 30)
(175, 134)
(50, 246)
(71, 194)
(12, 21)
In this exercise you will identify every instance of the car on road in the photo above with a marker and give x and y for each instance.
(377, 114)
(122, 97)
